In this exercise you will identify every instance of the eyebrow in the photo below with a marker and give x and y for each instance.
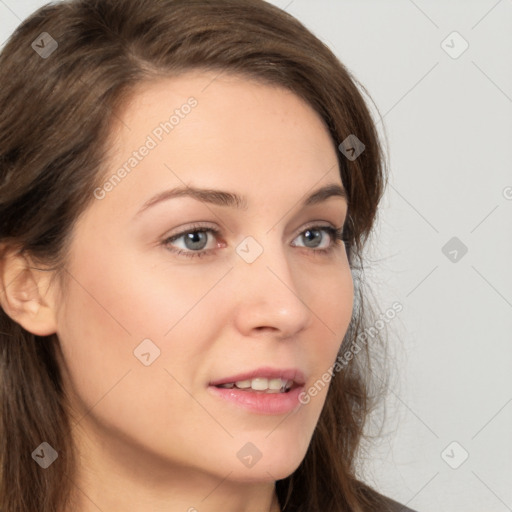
(233, 200)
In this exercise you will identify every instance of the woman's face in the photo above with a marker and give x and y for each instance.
(169, 292)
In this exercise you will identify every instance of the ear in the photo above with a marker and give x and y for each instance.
(25, 293)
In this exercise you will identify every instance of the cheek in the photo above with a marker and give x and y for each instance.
(330, 297)
(115, 312)
(333, 306)
(337, 299)
(109, 309)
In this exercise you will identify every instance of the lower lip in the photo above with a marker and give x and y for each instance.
(262, 403)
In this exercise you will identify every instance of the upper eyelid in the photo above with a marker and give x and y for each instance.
(200, 227)
(193, 227)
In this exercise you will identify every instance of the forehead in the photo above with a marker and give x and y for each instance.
(211, 129)
(223, 105)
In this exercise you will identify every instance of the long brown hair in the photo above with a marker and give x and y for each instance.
(57, 110)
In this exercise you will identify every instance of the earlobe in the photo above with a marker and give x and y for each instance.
(24, 294)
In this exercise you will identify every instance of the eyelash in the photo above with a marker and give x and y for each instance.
(336, 235)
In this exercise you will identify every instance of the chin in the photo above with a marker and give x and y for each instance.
(272, 465)
(264, 473)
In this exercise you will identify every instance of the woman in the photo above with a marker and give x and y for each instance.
(186, 188)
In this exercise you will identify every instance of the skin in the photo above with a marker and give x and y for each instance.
(153, 437)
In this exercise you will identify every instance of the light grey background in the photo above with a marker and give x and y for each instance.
(448, 123)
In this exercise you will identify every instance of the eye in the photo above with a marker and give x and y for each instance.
(195, 241)
(199, 241)
(319, 237)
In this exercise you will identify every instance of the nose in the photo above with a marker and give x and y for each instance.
(269, 296)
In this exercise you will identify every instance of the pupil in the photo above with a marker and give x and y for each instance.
(196, 240)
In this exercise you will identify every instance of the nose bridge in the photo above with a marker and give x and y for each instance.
(268, 292)
(265, 261)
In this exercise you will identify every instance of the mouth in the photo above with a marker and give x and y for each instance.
(264, 379)
(261, 385)
(263, 391)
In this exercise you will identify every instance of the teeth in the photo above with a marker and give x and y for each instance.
(276, 384)
(261, 384)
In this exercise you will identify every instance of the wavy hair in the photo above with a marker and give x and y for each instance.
(56, 115)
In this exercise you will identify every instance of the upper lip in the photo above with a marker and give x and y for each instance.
(265, 372)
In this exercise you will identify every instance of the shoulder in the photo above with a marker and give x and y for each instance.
(394, 506)
(377, 501)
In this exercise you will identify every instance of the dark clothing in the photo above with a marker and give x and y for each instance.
(378, 502)
(394, 506)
